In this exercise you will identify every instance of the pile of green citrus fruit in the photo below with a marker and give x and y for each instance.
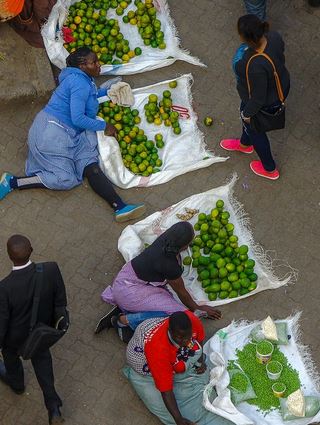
(161, 112)
(139, 154)
(145, 17)
(90, 27)
(224, 268)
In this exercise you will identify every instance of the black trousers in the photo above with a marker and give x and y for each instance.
(96, 178)
(102, 186)
(42, 365)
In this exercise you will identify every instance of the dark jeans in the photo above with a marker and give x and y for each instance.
(42, 365)
(257, 7)
(134, 319)
(259, 141)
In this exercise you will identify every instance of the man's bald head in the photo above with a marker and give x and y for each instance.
(19, 249)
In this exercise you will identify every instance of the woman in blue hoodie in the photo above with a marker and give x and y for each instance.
(63, 147)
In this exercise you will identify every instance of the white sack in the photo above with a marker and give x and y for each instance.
(182, 153)
(222, 347)
(149, 59)
(133, 238)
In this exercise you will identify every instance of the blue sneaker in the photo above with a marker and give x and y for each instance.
(129, 212)
(5, 187)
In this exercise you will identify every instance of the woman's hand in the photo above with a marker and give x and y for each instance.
(110, 130)
(211, 312)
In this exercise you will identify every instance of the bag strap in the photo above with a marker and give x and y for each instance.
(38, 278)
(275, 74)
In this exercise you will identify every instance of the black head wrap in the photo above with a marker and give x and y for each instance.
(159, 261)
(78, 57)
(178, 236)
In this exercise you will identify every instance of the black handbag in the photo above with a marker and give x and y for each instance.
(41, 336)
(265, 121)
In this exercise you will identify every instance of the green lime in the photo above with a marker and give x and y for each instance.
(205, 275)
(236, 285)
(214, 272)
(223, 272)
(243, 249)
(205, 283)
(252, 286)
(187, 261)
(217, 247)
(223, 295)
(245, 282)
(233, 294)
(195, 262)
(253, 277)
(225, 285)
(220, 263)
(212, 296)
(208, 121)
(249, 264)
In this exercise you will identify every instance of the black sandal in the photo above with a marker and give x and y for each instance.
(125, 333)
(105, 321)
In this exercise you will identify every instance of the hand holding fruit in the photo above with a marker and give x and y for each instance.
(211, 312)
(110, 130)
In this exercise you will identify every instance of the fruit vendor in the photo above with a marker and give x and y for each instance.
(63, 146)
(263, 99)
(167, 369)
(141, 286)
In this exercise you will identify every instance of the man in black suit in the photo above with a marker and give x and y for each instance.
(16, 299)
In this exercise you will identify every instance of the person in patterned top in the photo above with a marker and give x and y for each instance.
(168, 370)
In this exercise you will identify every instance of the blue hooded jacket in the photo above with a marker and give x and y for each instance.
(75, 101)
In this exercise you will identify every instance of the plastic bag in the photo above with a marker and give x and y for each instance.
(312, 408)
(282, 331)
(238, 396)
(107, 84)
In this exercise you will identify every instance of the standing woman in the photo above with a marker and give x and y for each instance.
(141, 287)
(258, 90)
(63, 146)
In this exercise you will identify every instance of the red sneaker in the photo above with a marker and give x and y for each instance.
(234, 145)
(258, 169)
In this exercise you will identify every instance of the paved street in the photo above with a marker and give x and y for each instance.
(77, 230)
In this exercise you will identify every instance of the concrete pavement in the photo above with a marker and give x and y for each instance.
(77, 230)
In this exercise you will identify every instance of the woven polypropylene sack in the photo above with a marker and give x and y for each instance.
(181, 153)
(151, 58)
(133, 238)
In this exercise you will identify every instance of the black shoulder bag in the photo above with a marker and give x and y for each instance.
(264, 121)
(41, 336)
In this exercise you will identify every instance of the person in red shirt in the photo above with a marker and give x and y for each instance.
(167, 369)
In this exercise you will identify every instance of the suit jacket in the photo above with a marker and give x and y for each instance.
(16, 298)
